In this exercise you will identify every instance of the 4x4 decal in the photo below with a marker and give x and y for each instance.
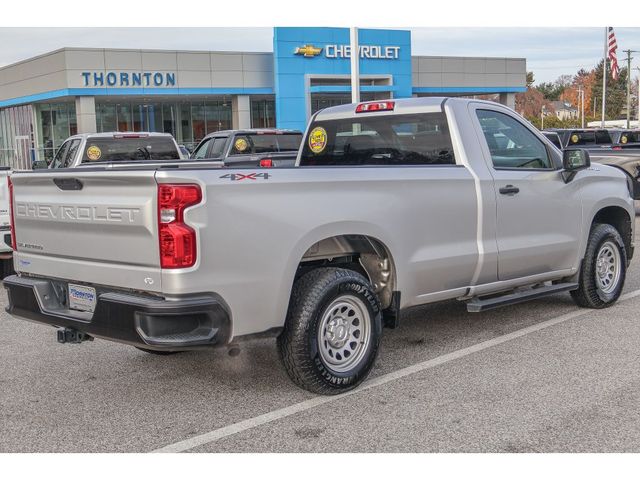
(247, 176)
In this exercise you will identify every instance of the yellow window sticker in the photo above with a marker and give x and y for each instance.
(94, 153)
(574, 138)
(318, 139)
(241, 144)
(623, 139)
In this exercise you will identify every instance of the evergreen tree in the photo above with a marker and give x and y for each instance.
(616, 92)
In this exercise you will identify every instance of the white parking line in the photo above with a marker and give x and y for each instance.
(274, 415)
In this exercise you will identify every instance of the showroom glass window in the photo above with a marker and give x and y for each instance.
(189, 122)
(263, 113)
(56, 122)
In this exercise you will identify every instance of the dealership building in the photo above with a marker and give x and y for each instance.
(45, 99)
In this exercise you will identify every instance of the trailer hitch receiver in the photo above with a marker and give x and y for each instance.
(71, 335)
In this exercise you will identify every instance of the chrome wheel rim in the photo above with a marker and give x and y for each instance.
(608, 267)
(344, 333)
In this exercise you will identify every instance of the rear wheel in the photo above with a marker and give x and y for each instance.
(603, 269)
(332, 332)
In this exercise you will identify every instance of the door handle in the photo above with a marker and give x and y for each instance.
(509, 190)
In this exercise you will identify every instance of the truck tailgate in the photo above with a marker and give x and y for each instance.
(96, 227)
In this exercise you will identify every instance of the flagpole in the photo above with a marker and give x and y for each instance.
(604, 74)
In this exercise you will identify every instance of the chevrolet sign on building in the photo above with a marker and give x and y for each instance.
(344, 51)
(189, 94)
(366, 51)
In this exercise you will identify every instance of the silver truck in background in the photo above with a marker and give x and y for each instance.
(391, 204)
(88, 149)
(250, 148)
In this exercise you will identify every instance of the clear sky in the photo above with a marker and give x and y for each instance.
(550, 52)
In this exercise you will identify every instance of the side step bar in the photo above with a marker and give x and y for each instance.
(478, 304)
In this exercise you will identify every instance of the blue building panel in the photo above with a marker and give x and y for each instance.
(301, 53)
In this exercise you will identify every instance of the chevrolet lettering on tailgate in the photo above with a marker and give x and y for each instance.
(44, 211)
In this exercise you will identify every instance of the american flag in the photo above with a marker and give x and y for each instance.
(612, 46)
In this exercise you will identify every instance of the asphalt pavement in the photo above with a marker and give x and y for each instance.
(543, 376)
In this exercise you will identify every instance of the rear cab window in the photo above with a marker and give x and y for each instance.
(596, 137)
(409, 139)
(255, 143)
(127, 148)
(629, 137)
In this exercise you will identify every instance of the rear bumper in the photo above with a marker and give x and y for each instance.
(188, 323)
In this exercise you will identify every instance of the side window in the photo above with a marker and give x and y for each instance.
(217, 148)
(60, 155)
(71, 153)
(511, 144)
(202, 150)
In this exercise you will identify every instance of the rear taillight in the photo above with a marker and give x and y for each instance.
(13, 223)
(375, 107)
(177, 240)
(266, 163)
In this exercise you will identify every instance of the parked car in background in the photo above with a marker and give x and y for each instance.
(627, 160)
(583, 138)
(184, 151)
(92, 148)
(554, 138)
(392, 204)
(6, 251)
(250, 147)
(623, 139)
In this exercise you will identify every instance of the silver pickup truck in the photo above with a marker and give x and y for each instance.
(391, 204)
(86, 149)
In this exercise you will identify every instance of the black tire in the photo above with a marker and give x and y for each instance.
(589, 294)
(6, 268)
(298, 344)
(157, 352)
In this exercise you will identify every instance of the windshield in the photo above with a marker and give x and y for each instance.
(251, 143)
(105, 149)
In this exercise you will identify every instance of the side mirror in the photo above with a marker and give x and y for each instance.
(574, 160)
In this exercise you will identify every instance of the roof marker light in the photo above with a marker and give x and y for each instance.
(375, 107)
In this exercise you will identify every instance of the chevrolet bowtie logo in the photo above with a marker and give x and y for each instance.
(308, 51)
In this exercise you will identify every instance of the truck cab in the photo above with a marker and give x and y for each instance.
(250, 147)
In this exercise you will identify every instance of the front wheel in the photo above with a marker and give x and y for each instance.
(603, 269)
(332, 332)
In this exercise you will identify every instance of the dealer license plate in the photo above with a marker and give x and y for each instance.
(82, 298)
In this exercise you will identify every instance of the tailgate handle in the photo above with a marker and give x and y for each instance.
(68, 183)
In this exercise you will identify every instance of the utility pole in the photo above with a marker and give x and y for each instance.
(638, 95)
(604, 74)
(581, 104)
(628, 52)
(582, 108)
(542, 117)
(355, 66)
